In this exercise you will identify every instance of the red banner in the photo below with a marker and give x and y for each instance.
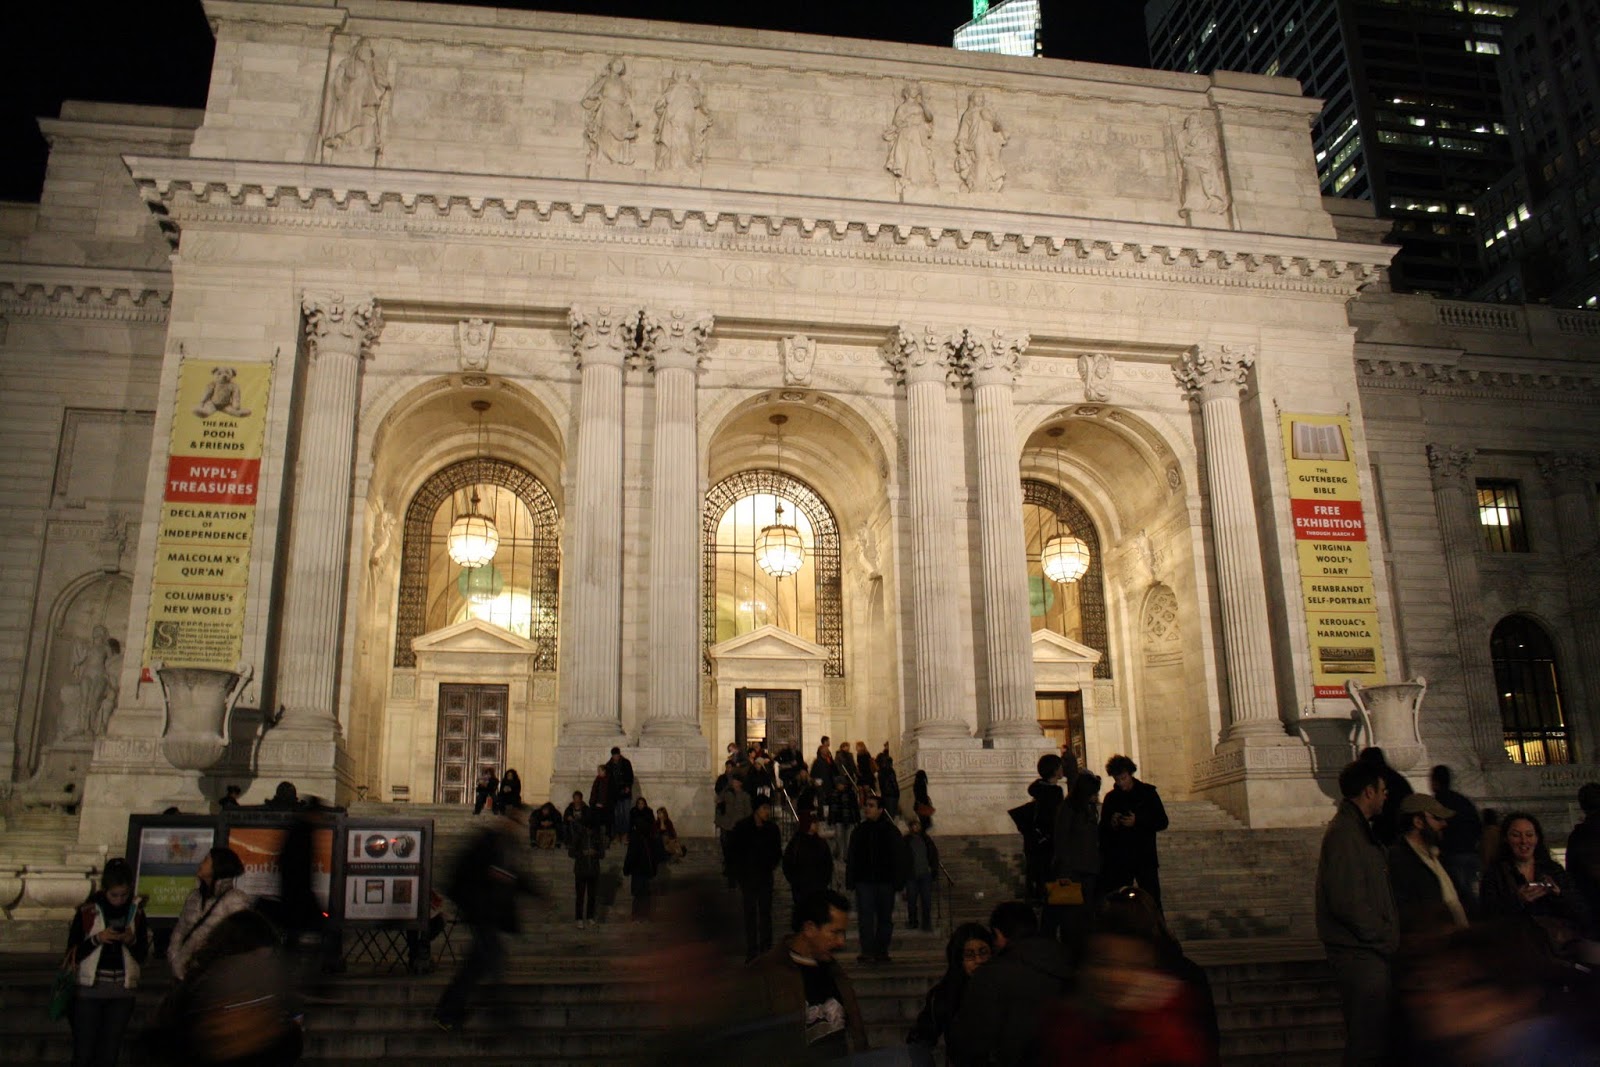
(211, 480)
(1328, 520)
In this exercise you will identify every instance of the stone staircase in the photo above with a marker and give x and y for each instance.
(1239, 900)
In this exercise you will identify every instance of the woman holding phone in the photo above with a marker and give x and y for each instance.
(106, 945)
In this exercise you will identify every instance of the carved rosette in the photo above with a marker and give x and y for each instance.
(474, 338)
(1449, 464)
(923, 353)
(992, 357)
(1568, 472)
(603, 334)
(336, 322)
(1209, 371)
(674, 339)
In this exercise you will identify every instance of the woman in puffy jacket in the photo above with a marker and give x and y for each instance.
(213, 900)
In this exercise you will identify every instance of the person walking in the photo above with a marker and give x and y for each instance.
(642, 861)
(1130, 817)
(733, 807)
(888, 783)
(807, 862)
(844, 813)
(484, 884)
(866, 771)
(620, 770)
(600, 796)
(1458, 850)
(586, 844)
(1356, 916)
(924, 870)
(756, 851)
(876, 868)
(107, 944)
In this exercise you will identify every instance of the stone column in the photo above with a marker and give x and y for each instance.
(1569, 476)
(673, 343)
(924, 358)
(1212, 375)
(993, 358)
(602, 341)
(1456, 504)
(340, 329)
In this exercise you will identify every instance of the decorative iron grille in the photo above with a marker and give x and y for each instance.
(1091, 587)
(546, 566)
(825, 537)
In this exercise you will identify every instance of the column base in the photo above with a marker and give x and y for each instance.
(1266, 781)
(972, 783)
(672, 730)
(1012, 734)
(943, 729)
(308, 754)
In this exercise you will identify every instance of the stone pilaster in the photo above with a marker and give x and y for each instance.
(1570, 477)
(340, 329)
(1455, 502)
(992, 359)
(602, 340)
(924, 359)
(1212, 375)
(673, 344)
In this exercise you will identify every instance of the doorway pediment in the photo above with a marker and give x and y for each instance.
(474, 636)
(768, 642)
(1051, 647)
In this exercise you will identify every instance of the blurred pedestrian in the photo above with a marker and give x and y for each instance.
(484, 884)
(1130, 818)
(807, 861)
(620, 769)
(237, 1006)
(1356, 917)
(866, 771)
(733, 806)
(1458, 849)
(107, 944)
(971, 945)
(1131, 910)
(667, 834)
(1039, 824)
(756, 849)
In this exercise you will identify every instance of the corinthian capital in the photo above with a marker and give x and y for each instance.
(604, 335)
(923, 353)
(1212, 370)
(993, 357)
(674, 339)
(1450, 463)
(341, 322)
(1567, 471)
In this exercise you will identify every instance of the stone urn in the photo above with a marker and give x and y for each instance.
(200, 702)
(1389, 718)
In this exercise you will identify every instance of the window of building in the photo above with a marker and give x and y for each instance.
(1528, 684)
(1076, 610)
(739, 596)
(1500, 516)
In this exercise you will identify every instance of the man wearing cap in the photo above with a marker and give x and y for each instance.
(1424, 893)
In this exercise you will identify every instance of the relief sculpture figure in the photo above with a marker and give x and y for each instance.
(611, 128)
(357, 110)
(979, 139)
(681, 125)
(1200, 156)
(910, 138)
(87, 704)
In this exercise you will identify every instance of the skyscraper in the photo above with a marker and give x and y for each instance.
(1539, 227)
(1413, 119)
(1011, 28)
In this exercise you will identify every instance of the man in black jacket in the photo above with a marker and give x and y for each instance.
(621, 770)
(808, 861)
(876, 867)
(756, 849)
(484, 885)
(1424, 894)
(998, 1020)
(1130, 817)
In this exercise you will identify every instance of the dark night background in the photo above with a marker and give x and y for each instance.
(159, 51)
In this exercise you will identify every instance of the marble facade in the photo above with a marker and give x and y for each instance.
(639, 242)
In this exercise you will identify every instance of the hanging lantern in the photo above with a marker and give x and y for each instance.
(473, 539)
(779, 549)
(480, 585)
(1065, 558)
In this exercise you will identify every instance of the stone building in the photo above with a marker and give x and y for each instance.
(644, 295)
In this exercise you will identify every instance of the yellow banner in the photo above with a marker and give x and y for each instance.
(1330, 538)
(208, 515)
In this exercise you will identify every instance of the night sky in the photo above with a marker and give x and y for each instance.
(159, 51)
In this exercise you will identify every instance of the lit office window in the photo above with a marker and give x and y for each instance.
(1500, 516)
(1528, 685)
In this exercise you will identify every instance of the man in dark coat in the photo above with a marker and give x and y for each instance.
(808, 861)
(756, 849)
(1387, 822)
(800, 987)
(1130, 817)
(876, 867)
(999, 1017)
(1424, 894)
(484, 885)
(621, 771)
(1583, 854)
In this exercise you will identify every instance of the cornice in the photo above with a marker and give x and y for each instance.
(1442, 379)
(58, 292)
(298, 196)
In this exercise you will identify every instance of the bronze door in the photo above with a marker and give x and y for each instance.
(472, 736)
(1061, 719)
(771, 716)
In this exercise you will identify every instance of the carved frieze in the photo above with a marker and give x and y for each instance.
(1568, 472)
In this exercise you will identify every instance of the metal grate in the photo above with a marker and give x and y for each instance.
(1091, 587)
(485, 470)
(825, 535)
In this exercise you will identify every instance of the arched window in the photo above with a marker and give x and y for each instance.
(1078, 609)
(739, 596)
(1529, 686)
(518, 590)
